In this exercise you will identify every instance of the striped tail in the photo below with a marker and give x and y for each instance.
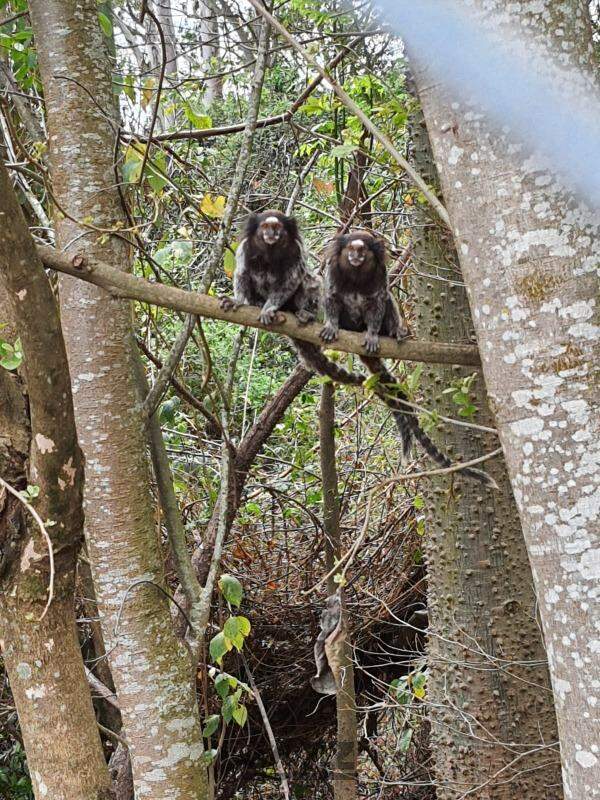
(315, 360)
(408, 424)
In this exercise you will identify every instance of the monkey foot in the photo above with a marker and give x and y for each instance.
(403, 334)
(371, 343)
(304, 317)
(270, 316)
(228, 304)
(329, 333)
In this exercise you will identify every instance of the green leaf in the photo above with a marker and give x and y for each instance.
(210, 725)
(418, 502)
(236, 629)
(229, 260)
(105, 24)
(371, 382)
(11, 356)
(198, 119)
(231, 589)
(343, 150)
(405, 740)
(132, 168)
(240, 715)
(209, 756)
(222, 684)
(219, 646)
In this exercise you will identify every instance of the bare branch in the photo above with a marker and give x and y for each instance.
(122, 284)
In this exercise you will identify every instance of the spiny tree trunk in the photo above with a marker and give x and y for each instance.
(345, 777)
(489, 683)
(38, 446)
(151, 668)
(529, 253)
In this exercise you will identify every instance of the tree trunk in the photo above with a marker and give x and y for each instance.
(38, 446)
(151, 668)
(529, 253)
(489, 683)
(345, 777)
(209, 31)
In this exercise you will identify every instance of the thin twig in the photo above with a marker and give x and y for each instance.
(42, 528)
(133, 586)
(271, 736)
(348, 558)
(460, 465)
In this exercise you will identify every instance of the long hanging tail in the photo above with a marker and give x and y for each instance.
(408, 424)
(316, 361)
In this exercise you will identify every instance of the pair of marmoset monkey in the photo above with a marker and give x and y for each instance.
(272, 272)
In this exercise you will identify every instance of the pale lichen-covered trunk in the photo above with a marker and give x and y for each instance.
(38, 446)
(489, 695)
(150, 666)
(209, 30)
(529, 253)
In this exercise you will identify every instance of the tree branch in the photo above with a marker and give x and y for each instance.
(277, 119)
(125, 285)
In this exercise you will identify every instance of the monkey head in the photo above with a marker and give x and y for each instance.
(359, 251)
(271, 229)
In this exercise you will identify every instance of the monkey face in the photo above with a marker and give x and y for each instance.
(271, 230)
(356, 252)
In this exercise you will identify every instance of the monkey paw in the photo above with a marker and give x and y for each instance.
(228, 303)
(371, 343)
(267, 316)
(304, 316)
(329, 332)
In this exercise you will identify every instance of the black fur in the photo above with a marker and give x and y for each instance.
(357, 297)
(276, 277)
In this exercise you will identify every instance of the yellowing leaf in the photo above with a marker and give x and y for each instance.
(229, 260)
(213, 207)
(147, 92)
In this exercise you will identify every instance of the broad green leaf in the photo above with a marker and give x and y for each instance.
(219, 646)
(231, 589)
(11, 356)
(210, 725)
(222, 684)
(371, 382)
(240, 715)
(343, 150)
(229, 260)
(405, 740)
(196, 116)
(105, 24)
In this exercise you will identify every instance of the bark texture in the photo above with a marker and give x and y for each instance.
(529, 253)
(491, 704)
(345, 782)
(150, 666)
(38, 446)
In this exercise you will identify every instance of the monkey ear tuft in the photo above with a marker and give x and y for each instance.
(251, 225)
(378, 247)
(291, 226)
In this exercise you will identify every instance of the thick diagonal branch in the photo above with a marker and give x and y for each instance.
(122, 284)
